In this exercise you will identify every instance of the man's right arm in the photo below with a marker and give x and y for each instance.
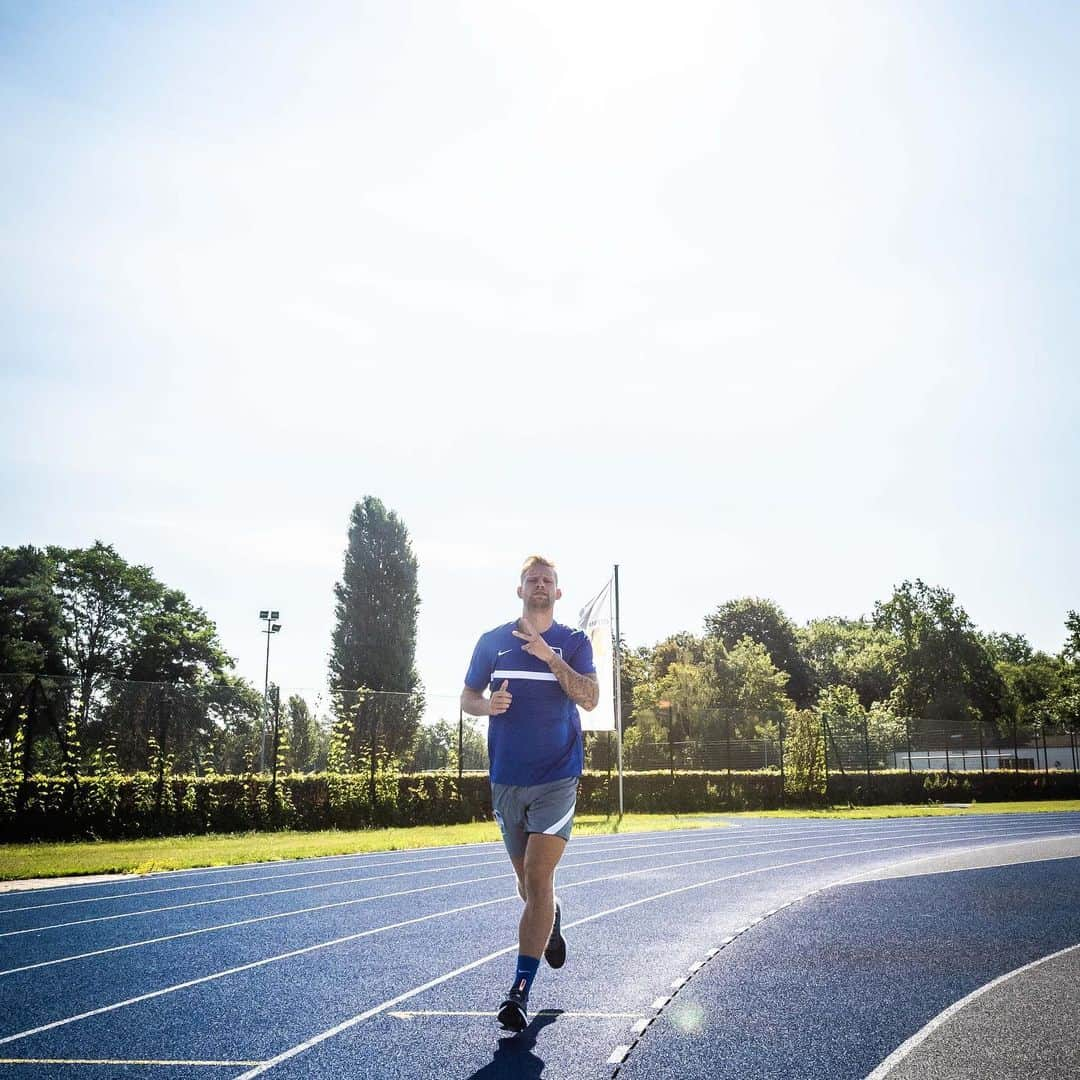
(475, 704)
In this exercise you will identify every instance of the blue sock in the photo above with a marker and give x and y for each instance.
(526, 972)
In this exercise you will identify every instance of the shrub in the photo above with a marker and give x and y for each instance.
(112, 805)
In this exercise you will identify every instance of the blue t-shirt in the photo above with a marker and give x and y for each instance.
(538, 739)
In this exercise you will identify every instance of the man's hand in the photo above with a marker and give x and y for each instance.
(534, 645)
(500, 699)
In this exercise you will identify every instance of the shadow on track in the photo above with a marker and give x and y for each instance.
(514, 1059)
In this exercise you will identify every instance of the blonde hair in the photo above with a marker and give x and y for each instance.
(538, 560)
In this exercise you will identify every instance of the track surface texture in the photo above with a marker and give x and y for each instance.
(786, 948)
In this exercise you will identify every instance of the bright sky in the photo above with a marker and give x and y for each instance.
(751, 298)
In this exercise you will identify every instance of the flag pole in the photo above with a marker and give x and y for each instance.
(618, 688)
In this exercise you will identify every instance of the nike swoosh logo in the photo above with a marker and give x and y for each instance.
(504, 652)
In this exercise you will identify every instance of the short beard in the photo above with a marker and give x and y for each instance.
(541, 603)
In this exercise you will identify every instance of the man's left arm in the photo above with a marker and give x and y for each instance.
(581, 689)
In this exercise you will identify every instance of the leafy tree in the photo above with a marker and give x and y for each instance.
(804, 756)
(1010, 648)
(280, 751)
(840, 705)
(303, 736)
(175, 642)
(751, 691)
(172, 655)
(1030, 687)
(31, 727)
(682, 648)
(131, 664)
(764, 622)
(30, 626)
(685, 693)
(634, 668)
(858, 736)
(1065, 700)
(942, 667)
(435, 747)
(374, 640)
(1071, 650)
(849, 652)
(689, 703)
(103, 600)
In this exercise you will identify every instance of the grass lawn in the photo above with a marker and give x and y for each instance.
(899, 811)
(183, 852)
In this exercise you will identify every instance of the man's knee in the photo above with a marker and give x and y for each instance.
(539, 882)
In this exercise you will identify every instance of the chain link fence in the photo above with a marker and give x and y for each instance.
(71, 726)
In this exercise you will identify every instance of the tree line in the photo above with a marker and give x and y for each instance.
(105, 668)
(918, 659)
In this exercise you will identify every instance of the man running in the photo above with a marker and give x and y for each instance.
(538, 672)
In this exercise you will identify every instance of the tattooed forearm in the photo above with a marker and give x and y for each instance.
(582, 690)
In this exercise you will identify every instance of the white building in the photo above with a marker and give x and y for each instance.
(1059, 753)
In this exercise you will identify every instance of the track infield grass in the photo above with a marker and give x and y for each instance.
(71, 859)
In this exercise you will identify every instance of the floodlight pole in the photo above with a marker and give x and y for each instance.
(272, 627)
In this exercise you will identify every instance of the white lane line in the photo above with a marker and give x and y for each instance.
(868, 878)
(326, 885)
(920, 1036)
(247, 967)
(404, 857)
(366, 933)
(345, 1025)
(278, 877)
(616, 1055)
(322, 907)
(249, 896)
(232, 881)
(566, 865)
(120, 1061)
(401, 857)
(380, 896)
(383, 877)
(243, 922)
(653, 841)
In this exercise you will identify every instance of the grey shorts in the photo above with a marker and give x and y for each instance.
(544, 808)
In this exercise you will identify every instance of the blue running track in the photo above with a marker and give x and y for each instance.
(730, 948)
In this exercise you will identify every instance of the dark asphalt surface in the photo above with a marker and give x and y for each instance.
(1026, 1027)
(825, 989)
(391, 965)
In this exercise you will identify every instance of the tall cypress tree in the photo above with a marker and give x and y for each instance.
(374, 639)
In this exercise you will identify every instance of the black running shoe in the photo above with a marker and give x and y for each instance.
(514, 1011)
(555, 951)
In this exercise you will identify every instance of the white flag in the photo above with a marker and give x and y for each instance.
(595, 620)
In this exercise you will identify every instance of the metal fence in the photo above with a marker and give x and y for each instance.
(55, 725)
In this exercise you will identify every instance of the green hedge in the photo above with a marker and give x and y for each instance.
(915, 788)
(117, 806)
